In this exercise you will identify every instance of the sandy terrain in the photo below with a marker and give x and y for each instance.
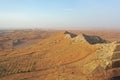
(60, 55)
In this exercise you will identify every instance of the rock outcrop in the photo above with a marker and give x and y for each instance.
(85, 38)
(106, 59)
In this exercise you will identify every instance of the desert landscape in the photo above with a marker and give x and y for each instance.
(59, 39)
(59, 55)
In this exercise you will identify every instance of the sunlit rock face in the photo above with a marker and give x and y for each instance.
(114, 70)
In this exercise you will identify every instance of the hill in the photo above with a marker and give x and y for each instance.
(62, 56)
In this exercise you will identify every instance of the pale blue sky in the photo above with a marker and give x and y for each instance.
(60, 14)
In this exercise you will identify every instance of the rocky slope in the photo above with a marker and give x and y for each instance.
(63, 56)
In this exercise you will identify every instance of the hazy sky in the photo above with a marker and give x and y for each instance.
(82, 14)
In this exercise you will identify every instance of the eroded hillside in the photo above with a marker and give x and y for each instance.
(62, 56)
